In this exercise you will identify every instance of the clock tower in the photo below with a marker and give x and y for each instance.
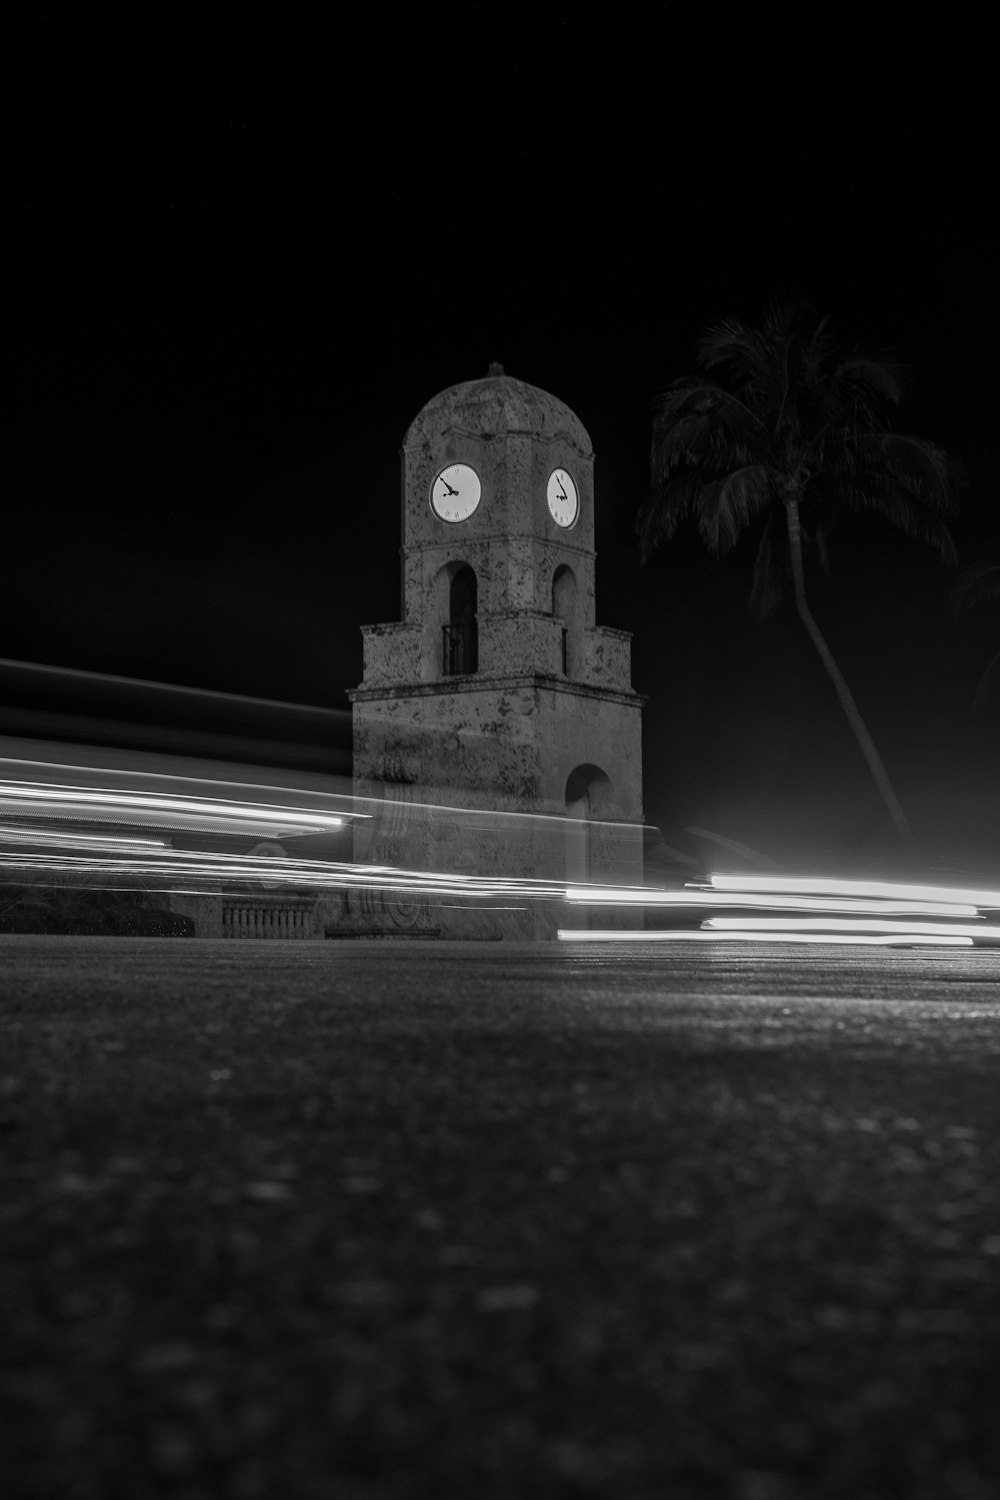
(496, 732)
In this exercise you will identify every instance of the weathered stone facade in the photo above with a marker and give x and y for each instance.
(526, 760)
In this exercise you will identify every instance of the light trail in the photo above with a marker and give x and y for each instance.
(172, 864)
(46, 834)
(849, 924)
(840, 912)
(203, 814)
(64, 838)
(708, 897)
(818, 885)
(55, 821)
(738, 935)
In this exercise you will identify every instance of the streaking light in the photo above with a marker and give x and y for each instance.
(745, 935)
(849, 924)
(204, 814)
(195, 834)
(707, 896)
(876, 912)
(883, 889)
(65, 839)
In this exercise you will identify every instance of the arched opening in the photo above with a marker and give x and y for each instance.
(588, 792)
(564, 609)
(564, 592)
(461, 642)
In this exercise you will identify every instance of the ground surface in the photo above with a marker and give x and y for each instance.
(356, 1220)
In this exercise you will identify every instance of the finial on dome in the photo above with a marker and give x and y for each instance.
(495, 369)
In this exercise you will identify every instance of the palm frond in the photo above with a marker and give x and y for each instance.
(978, 584)
(667, 509)
(697, 438)
(711, 522)
(868, 381)
(914, 465)
(699, 424)
(723, 506)
(706, 396)
(747, 356)
(822, 342)
(742, 498)
(728, 340)
(910, 514)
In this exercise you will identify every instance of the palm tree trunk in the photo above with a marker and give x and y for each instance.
(847, 703)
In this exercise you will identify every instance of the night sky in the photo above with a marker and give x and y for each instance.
(227, 304)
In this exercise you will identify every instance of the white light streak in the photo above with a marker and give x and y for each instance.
(703, 935)
(709, 897)
(849, 924)
(889, 889)
(185, 864)
(55, 820)
(65, 839)
(38, 799)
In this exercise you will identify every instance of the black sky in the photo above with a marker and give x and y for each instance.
(225, 305)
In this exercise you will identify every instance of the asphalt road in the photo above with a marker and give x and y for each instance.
(388, 1220)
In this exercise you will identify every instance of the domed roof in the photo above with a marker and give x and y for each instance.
(494, 407)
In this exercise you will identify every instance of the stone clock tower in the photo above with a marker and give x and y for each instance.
(496, 730)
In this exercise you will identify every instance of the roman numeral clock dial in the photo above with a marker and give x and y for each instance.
(455, 493)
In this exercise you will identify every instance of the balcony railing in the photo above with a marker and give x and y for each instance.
(461, 649)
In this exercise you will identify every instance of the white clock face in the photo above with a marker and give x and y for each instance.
(455, 493)
(564, 502)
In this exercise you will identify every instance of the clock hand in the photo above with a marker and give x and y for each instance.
(448, 486)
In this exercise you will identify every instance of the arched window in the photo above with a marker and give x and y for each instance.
(564, 592)
(564, 607)
(588, 791)
(461, 644)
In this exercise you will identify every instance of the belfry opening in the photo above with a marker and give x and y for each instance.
(461, 653)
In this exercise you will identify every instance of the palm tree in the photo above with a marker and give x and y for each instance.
(782, 431)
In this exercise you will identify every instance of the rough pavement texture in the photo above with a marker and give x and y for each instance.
(357, 1220)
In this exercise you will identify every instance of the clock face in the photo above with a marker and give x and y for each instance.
(455, 493)
(564, 502)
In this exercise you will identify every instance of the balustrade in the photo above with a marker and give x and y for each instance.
(248, 919)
